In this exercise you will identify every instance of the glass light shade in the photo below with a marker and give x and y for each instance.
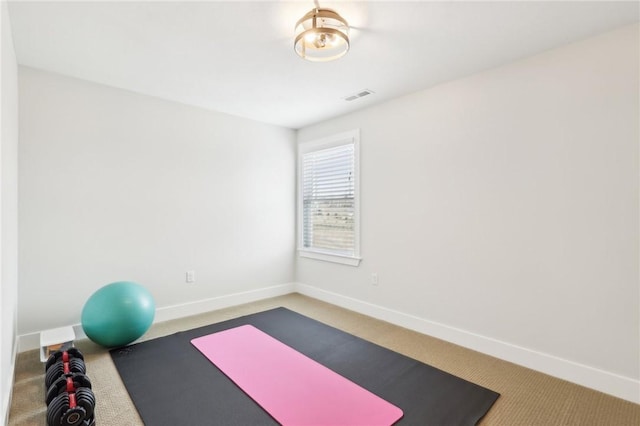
(321, 35)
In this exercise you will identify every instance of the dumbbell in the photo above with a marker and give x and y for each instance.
(71, 401)
(67, 383)
(57, 355)
(61, 368)
(63, 362)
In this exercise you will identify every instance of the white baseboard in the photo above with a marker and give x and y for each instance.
(220, 302)
(603, 381)
(32, 340)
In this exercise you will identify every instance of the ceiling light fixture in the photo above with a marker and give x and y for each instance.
(321, 35)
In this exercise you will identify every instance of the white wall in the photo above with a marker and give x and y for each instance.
(500, 211)
(119, 186)
(8, 210)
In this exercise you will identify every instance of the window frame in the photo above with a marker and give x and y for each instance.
(345, 138)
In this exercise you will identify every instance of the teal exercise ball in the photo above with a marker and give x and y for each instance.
(118, 314)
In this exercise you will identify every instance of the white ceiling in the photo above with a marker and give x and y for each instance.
(237, 57)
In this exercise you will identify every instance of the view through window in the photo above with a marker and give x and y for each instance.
(329, 210)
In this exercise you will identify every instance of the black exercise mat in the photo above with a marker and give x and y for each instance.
(171, 383)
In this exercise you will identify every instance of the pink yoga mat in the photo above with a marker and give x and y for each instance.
(294, 389)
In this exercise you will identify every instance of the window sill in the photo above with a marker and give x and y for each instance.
(335, 258)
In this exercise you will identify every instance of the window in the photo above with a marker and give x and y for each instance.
(328, 205)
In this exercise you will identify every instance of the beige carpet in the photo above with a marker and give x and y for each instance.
(527, 397)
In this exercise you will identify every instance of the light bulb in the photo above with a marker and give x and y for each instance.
(321, 41)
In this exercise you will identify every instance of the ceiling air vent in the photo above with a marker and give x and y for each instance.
(361, 94)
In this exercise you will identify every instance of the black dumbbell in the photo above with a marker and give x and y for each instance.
(71, 402)
(67, 383)
(57, 355)
(75, 409)
(60, 368)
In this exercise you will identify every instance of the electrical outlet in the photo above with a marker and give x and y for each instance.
(374, 278)
(191, 276)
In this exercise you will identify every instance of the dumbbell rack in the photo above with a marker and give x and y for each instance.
(69, 398)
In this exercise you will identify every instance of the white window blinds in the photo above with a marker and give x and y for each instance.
(328, 200)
